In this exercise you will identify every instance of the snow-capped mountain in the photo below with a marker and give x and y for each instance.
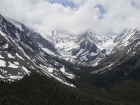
(62, 42)
(79, 47)
(88, 48)
(90, 44)
(20, 54)
(127, 37)
(100, 40)
(124, 51)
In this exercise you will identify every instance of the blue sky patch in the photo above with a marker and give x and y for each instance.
(135, 5)
(63, 2)
(102, 10)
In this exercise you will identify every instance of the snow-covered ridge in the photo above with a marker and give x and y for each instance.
(100, 40)
(127, 37)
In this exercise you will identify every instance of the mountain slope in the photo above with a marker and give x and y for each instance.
(19, 52)
(42, 42)
(124, 57)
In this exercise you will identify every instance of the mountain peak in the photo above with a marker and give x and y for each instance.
(92, 31)
(94, 36)
(127, 34)
(130, 30)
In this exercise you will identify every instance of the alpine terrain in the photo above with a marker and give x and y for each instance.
(53, 68)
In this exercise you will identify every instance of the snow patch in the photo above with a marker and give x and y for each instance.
(3, 71)
(10, 56)
(48, 51)
(110, 65)
(16, 63)
(69, 75)
(18, 37)
(94, 54)
(19, 56)
(12, 65)
(1, 56)
(15, 77)
(81, 51)
(2, 63)
(50, 70)
(26, 70)
(5, 46)
(1, 77)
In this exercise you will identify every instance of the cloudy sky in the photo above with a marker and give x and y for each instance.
(108, 17)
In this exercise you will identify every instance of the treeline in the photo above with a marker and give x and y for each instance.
(41, 90)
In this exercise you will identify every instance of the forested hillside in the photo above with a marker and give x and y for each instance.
(41, 90)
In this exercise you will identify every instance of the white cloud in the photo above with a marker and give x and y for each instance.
(40, 14)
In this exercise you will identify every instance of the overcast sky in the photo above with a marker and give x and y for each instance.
(108, 17)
